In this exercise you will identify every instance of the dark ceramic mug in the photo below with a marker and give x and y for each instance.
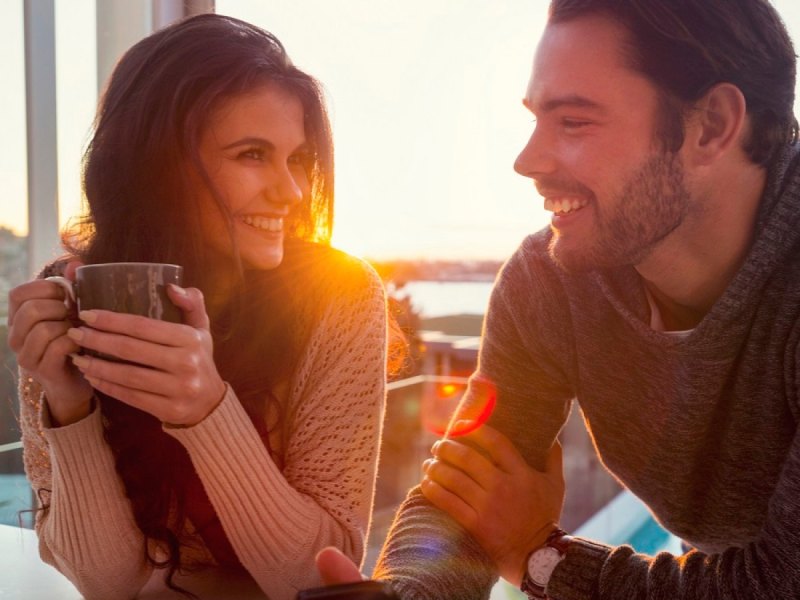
(125, 287)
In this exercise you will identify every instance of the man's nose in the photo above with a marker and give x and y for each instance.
(536, 158)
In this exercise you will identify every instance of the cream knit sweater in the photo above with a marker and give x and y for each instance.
(276, 519)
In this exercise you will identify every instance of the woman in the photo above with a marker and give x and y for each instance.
(249, 441)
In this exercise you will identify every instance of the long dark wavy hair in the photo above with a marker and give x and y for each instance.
(140, 177)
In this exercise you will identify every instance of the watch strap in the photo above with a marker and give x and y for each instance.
(558, 540)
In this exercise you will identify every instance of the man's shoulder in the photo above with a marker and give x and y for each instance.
(532, 261)
(533, 252)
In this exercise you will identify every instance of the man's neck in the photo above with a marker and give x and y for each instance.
(690, 269)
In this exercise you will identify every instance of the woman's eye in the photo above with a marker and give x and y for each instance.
(254, 153)
(303, 159)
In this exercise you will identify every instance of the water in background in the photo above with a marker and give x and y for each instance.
(439, 298)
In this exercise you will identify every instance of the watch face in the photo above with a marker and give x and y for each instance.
(542, 563)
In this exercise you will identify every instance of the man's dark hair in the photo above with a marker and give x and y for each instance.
(685, 47)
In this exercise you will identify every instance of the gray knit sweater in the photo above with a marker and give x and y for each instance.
(703, 428)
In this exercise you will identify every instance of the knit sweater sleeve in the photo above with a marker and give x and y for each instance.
(84, 521)
(764, 569)
(277, 520)
(427, 555)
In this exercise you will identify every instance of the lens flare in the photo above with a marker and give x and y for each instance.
(447, 410)
(475, 410)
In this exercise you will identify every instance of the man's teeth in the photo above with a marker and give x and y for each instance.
(264, 223)
(564, 205)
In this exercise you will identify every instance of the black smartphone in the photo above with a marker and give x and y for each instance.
(363, 590)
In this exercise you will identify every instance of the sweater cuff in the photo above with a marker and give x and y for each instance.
(86, 488)
(576, 577)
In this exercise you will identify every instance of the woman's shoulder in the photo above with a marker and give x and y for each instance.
(341, 275)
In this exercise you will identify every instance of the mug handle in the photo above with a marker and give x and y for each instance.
(68, 286)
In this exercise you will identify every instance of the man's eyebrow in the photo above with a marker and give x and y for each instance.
(569, 101)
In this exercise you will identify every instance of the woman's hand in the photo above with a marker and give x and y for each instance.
(174, 378)
(37, 333)
(335, 568)
(482, 481)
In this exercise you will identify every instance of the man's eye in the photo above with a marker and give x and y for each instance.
(573, 124)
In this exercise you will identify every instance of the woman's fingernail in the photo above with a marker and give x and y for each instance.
(426, 465)
(75, 334)
(87, 316)
(178, 289)
(92, 381)
(79, 361)
(435, 446)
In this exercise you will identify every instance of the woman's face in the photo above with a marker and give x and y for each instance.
(254, 150)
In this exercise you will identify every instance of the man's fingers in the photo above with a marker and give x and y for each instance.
(445, 500)
(495, 446)
(335, 568)
(465, 485)
(466, 458)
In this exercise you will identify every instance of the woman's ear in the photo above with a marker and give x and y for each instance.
(717, 124)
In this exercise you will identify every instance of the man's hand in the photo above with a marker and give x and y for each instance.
(482, 481)
(335, 568)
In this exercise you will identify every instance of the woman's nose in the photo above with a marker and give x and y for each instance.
(289, 187)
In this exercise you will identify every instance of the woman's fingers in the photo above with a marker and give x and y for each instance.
(160, 394)
(133, 377)
(131, 349)
(147, 389)
(29, 315)
(69, 270)
(139, 327)
(32, 291)
(335, 568)
(39, 343)
(191, 303)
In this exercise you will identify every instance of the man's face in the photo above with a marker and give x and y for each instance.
(614, 193)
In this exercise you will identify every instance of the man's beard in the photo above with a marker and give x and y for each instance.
(652, 204)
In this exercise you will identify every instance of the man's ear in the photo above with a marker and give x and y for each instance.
(717, 124)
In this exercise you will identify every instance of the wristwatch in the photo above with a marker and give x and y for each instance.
(542, 562)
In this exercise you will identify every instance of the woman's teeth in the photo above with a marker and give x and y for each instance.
(264, 223)
(564, 205)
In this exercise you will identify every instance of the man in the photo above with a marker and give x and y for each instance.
(665, 298)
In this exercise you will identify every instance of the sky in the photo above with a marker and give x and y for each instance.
(425, 102)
